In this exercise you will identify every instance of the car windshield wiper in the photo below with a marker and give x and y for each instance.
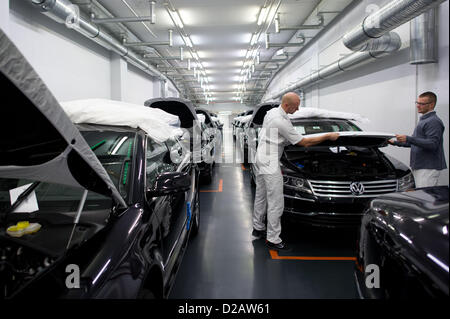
(20, 199)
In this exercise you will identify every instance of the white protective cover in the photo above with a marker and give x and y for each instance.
(201, 118)
(307, 112)
(245, 119)
(159, 125)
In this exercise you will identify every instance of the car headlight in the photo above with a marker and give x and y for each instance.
(406, 182)
(299, 184)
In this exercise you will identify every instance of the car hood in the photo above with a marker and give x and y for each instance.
(180, 107)
(357, 138)
(39, 142)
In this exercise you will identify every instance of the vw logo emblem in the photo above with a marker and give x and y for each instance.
(357, 188)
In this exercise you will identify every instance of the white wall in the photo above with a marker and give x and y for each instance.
(72, 66)
(384, 90)
(139, 88)
(235, 108)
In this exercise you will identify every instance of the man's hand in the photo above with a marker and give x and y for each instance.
(391, 141)
(400, 138)
(333, 136)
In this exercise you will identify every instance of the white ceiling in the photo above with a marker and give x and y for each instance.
(220, 31)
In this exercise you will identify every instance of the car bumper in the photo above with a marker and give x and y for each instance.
(323, 211)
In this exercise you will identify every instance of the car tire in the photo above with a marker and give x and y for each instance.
(196, 221)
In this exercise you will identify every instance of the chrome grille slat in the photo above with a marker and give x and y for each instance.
(342, 188)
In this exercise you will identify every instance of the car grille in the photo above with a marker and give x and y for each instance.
(342, 189)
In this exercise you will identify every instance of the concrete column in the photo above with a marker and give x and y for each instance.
(4, 16)
(119, 70)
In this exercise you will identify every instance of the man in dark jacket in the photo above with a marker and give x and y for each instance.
(427, 158)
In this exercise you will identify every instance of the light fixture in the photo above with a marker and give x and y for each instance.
(187, 41)
(254, 39)
(280, 51)
(262, 15)
(195, 55)
(249, 53)
(277, 23)
(176, 18)
(189, 64)
(258, 58)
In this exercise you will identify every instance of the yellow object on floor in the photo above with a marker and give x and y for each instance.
(23, 228)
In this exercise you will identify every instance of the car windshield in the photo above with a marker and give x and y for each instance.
(309, 126)
(113, 149)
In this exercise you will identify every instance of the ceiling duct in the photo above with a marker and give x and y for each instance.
(372, 33)
(424, 38)
(371, 43)
(63, 11)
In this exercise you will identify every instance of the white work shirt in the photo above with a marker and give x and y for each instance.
(276, 133)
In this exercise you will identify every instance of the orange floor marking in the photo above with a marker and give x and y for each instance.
(274, 255)
(219, 190)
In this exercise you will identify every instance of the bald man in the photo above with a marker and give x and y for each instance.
(276, 133)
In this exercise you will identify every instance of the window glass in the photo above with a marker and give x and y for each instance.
(157, 161)
(324, 126)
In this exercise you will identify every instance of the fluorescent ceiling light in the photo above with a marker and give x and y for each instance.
(280, 52)
(176, 17)
(249, 53)
(254, 39)
(188, 41)
(195, 55)
(263, 15)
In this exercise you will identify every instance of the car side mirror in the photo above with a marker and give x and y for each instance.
(170, 183)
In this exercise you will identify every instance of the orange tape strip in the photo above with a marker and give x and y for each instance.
(274, 255)
(219, 190)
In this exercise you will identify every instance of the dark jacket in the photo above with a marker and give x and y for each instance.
(427, 143)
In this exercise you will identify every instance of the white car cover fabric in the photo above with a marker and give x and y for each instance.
(16, 69)
(159, 125)
(307, 112)
(201, 118)
(245, 119)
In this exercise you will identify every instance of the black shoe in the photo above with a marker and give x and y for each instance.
(259, 233)
(279, 246)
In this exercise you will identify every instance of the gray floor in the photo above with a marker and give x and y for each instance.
(225, 261)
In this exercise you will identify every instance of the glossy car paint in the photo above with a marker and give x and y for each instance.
(406, 235)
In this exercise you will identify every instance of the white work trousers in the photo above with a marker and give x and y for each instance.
(269, 201)
(426, 177)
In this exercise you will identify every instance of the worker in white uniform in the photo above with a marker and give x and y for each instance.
(276, 133)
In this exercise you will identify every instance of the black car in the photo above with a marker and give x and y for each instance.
(109, 214)
(247, 137)
(331, 184)
(236, 124)
(404, 241)
(202, 139)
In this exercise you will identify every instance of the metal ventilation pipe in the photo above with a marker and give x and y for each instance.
(63, 11)
(369, 34)
(423, 31)
(371, 39)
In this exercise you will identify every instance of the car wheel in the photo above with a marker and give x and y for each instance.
(196, 220)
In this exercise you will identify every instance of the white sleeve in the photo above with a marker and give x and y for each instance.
(287, 130)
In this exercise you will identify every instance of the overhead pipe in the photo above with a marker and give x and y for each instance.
(370, 43)
(63, 11)
(423, 34)
(371, 33)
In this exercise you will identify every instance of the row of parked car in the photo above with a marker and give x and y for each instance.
(95, 205)
(351, 182)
